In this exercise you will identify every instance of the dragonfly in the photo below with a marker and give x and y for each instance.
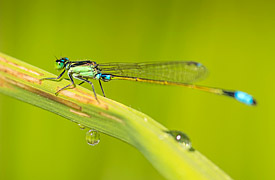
(177, 73)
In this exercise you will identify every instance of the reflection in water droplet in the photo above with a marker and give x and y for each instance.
(145, 119)
(81, 126)
(181, 138)
(92, 137)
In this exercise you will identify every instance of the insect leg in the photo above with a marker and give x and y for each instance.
(81, 83)
(101, 88)
(90, 84)
(71, 78)
(57, 78)
(78, 84)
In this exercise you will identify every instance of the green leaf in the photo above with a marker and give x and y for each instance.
(22, 81)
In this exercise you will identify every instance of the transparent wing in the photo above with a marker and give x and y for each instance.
(175, 71)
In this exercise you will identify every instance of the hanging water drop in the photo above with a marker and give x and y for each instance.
(92, 137)
(182, 138)
(81, 126)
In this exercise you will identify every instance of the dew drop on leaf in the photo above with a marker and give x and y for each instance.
(92, 137)
(81, 126)
(182, 138)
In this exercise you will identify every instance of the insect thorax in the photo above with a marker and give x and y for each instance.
(87, 71)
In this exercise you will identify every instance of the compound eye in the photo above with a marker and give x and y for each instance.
(59, 65)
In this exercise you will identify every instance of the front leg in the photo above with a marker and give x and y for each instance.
(58, 78)
(71, 78)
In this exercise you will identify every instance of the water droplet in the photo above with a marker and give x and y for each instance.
(81, 126)
(181, 138)
(92, 137)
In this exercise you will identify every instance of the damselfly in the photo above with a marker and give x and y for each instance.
(179, 73)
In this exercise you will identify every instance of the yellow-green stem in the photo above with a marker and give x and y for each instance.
(22, 81)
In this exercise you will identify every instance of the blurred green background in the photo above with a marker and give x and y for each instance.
(233, 39)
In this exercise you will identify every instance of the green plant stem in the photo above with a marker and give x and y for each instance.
(22, 81)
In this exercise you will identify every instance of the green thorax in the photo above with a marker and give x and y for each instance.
(87, 70)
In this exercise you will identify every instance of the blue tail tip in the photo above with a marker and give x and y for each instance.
(245, 98)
